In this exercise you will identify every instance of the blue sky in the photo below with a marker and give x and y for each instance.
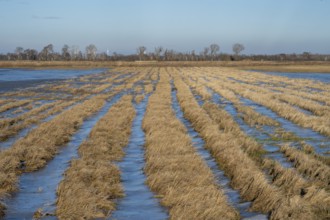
(263, 26)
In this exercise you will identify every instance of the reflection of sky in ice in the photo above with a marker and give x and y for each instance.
(25, 74)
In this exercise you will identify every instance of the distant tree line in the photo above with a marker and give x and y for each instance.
(210, 53)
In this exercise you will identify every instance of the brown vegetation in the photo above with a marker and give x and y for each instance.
(41, 144)
(295, 185)
(308, 166)
(14, 104)
(243, 172)
(174, 170)
(92, 182)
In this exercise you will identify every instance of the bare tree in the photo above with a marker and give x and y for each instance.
(192, 55)
(31, 54)
(214, 48)
(141, 52)
(74, 52)
(206, 52)
(65, 52)
(158, 51)
(47, 52)
(91, 52)
(238, 48)
(306, 56)
(19, 52)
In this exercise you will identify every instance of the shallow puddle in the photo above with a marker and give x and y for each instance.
(38, 189)
(139, 202)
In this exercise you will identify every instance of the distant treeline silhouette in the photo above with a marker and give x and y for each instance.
(210, 53)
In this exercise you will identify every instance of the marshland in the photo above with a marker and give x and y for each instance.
(165, 142)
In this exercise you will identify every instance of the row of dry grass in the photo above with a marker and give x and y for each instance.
(5, 101)
(231, 130)
(244, 173)
(294, 100)
(308, 149)
(308, 166)
(309, 105)
(295, 185)
(319, 124)
(40, 145)
(92, 183)
(284, 179)
(174, 170)
(310, 193)
(278, 81)
(248, 114)
(11, 126)
(294, 87)
(14, 104)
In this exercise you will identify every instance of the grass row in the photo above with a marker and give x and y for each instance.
(40, 145)
(92, 182)
(174, 170)
(244, 173)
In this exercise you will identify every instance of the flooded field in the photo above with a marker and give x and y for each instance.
(322, 77)
(21, 78)
(164, 143)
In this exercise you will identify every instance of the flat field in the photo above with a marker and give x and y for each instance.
(154, 142)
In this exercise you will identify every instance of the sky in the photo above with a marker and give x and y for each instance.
(262, 26)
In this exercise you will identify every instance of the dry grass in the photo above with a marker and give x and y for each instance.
(308, 149)
(231, 131)
(294, 185)
(34, 150)
(10, 126)
(248, 114)
(308, 166)
(309, 105)
(139, 98)
(174, 170)
(286, 111)
(253, 118)
(92, 183)
(5, 101)
(243, 172)
(14, 104)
